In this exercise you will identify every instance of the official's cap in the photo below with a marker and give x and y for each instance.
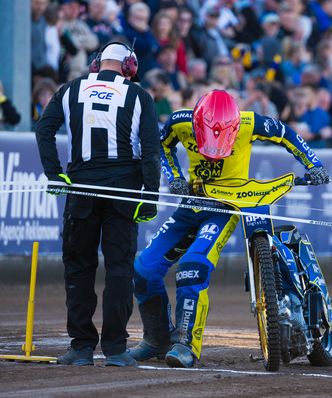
(117, 52)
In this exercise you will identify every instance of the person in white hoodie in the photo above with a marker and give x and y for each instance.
(80, 38)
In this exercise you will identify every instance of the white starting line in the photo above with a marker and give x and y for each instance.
(244, 372)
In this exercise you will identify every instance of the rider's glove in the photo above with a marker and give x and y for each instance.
(145, 212)
(179, 186)
(317, 175)
(55, 189)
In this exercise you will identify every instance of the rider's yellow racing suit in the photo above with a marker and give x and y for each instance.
(194, 238)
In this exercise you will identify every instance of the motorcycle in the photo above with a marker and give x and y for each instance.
(288, 292)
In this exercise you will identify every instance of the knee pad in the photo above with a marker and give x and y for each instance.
(192, 273)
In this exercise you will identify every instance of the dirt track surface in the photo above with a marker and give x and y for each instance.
(225, 368)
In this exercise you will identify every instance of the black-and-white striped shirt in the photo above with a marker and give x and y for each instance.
(112, 130)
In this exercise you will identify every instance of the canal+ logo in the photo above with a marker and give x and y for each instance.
(98, 91)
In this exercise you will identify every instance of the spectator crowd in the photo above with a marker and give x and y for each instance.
(273, 56)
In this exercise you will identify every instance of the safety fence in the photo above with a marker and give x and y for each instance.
(28, 215)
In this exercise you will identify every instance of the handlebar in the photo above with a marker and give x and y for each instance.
(301, 181)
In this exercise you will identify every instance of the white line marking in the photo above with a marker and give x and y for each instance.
(208, 370)
(253, 373)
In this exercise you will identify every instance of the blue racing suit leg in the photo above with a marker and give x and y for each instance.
(165, 248)
(193, 277)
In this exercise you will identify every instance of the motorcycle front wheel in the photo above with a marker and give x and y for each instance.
(266, 303)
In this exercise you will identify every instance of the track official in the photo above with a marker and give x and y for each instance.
(113, 140)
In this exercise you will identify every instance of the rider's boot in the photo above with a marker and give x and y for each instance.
(180, 356)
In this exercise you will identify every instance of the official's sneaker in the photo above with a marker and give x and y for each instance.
(83, 357)
(180, 356)
(124, 359)
(144, 351)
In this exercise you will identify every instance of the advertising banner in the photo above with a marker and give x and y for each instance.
(30, 215)
(37, 216)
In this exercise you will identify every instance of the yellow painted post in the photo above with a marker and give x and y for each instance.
(28, 347)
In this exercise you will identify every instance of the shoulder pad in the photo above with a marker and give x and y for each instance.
(182, 116)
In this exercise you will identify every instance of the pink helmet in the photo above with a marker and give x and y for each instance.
(216, 121)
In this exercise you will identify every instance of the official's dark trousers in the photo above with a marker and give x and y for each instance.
(87, 223)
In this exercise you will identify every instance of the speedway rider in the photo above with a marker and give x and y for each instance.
(218, 139)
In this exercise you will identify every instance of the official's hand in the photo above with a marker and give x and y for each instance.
(317, 176)
(55, 189)
(179, 186)
(145, 212)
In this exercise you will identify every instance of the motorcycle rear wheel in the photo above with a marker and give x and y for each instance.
(266, 303)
